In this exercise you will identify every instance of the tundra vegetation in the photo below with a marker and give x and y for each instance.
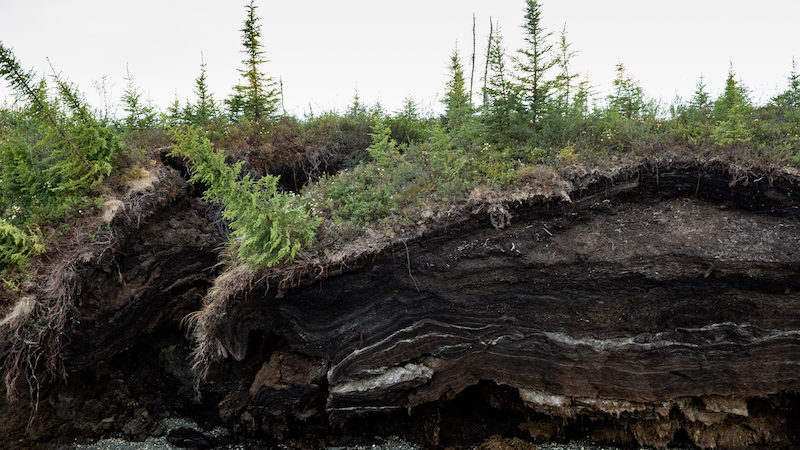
(281, 180)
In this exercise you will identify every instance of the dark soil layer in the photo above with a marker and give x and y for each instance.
(659, 306)
(653, 308)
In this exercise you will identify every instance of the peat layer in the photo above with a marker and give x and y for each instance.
(655, 304)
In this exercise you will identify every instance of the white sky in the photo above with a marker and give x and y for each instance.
(324, 50)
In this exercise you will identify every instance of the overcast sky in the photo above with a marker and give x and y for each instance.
(325, 50)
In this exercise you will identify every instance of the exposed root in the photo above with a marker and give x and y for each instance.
(32, 334)
(35, 334)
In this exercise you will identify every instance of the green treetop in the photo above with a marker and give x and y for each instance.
(500, 94)
(409, 110)
(139, 114)
(734, 96)
(701, 100)
(256, 97)
(790, 98)
(565, 80)
(533, 63)
(456, 99)
(204, 109)
(627, 98)
(731, 111)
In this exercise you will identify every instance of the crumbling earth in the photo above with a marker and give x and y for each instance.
(651, 305)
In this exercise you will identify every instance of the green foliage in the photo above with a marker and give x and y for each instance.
(139, 113)
(406, 125)
(693, 121)
(788, 101)
(395, 188)
(533, 64)
(456, 99)
(16, 247)
(734, 129)
(257, 97)
(383, 149)
(53, 151)
(53, 156)
(270, 226)
(732, 111)
(700, 105)
(564, 83)
(204, 109)
(501, 96)
(627, 99)
(734, 96)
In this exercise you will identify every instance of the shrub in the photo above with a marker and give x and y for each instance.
(16, 247)
(270, 226)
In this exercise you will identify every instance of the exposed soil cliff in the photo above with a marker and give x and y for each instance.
(120, 301)
(650, 305)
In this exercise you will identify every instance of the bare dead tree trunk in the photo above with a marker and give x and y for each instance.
(486, 70)
(472, 73)
(283, 107)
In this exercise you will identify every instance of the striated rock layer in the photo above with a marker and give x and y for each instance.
(653, 308)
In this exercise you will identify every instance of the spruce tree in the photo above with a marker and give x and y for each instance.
(409, 109)
(173, 115)
(257, 96)
(456, 99)
(627, 99)
(270, 226)
(701, 100)
(790, 98)
(500, 94)
(533, 63)
(204, 110)
(21, 81)
(731, 111)
(735, 93)
(139, 114)
(356, 108)
(694, 118)
(564, 81)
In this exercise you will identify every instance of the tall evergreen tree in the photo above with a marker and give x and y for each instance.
(205, 108)
(139, 113)
(356, 108)
(790, 98)
(627, 99)
(500, 94)
(257, 96)
(701, 100)
(409, 110)
(534, 62)
(565, 80)
(731, 111)
(174, 115)
(694, 118)
(456, 99)
(734, 95)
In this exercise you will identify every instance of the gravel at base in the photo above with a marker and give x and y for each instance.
(390, 443)
(160, 443)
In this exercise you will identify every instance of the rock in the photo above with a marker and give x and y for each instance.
(497, 442)
(189, 438)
